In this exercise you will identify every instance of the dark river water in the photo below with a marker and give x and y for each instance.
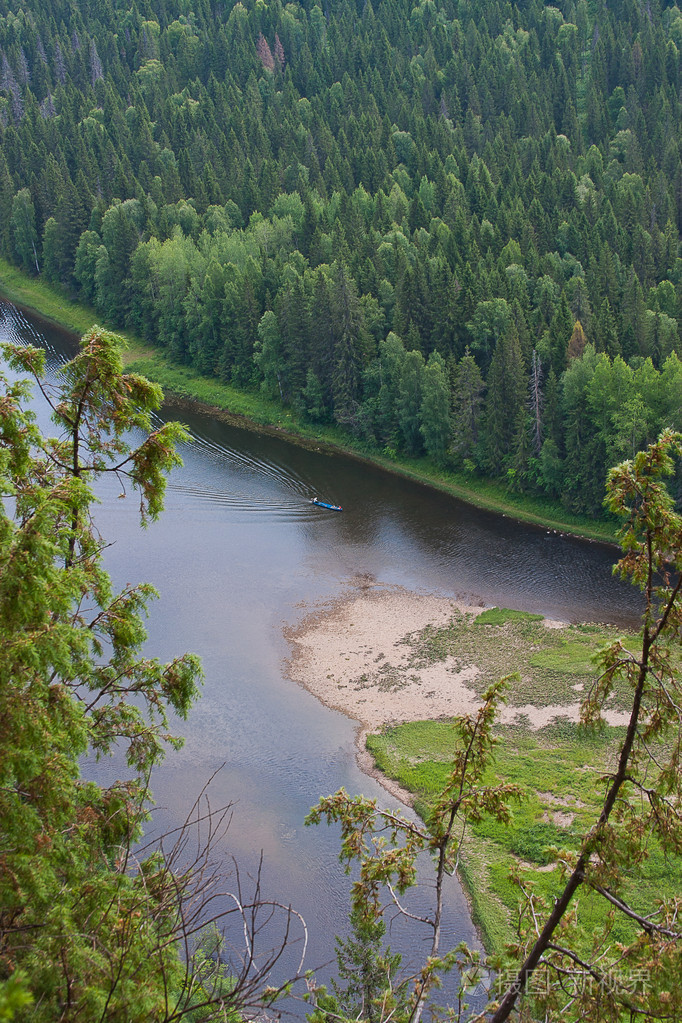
(238, 555)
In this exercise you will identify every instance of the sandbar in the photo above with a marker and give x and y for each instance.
(354, 654)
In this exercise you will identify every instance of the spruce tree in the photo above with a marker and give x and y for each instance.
(505, 401)
(467, 403)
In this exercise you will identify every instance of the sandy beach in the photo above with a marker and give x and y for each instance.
(354, 654)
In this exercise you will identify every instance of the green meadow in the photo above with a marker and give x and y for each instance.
(560, 766)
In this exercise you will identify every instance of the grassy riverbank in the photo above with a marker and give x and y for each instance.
(560, 766)
(252, 410)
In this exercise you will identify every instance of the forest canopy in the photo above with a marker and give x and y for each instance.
(450, 227)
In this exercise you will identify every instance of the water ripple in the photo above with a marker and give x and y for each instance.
(20, 331)
(246, 502)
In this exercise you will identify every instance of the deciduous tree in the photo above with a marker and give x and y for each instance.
(642, 792)
(560, 967)
(435, 409)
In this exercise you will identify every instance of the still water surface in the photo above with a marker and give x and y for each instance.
(238, 555)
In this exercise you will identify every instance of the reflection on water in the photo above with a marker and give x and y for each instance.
(238, 555)
(17, 328)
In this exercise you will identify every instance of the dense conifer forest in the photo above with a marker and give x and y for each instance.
(449, 226)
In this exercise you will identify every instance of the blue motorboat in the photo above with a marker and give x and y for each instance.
(325, 504)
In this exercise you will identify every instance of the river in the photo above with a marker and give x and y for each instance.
(240, 554)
